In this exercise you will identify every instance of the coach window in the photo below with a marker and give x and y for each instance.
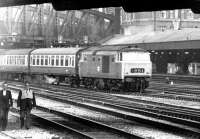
(66, 61)
(8, 60)
(38, 60)
(23, 60)
(11, 60)
(46, 60)
(57, 60)
(72, 61)
(15, 60)
(42, 60)
(19, 60)
(33, 60)
(62, 61)
(52, 60)
(11, 57)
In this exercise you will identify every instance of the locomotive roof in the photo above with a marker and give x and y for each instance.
(15, 51)
(111, 49)
(54, 51)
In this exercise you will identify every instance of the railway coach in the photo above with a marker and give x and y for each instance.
(14, 63)
(55, 63)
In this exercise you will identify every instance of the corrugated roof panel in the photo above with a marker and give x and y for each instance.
(150, 37)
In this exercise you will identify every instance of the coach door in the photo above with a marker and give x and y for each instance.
(105, 64)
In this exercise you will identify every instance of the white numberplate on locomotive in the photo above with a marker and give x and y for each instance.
(137, 70)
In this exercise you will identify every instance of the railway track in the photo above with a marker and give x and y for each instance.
(174, 92)
(78, 126)
(177, 78)
(6, 136)
(170, 116)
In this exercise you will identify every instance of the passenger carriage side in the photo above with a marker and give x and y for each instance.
(14, 64)
(56, 63)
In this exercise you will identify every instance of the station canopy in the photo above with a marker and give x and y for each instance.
(151, 37)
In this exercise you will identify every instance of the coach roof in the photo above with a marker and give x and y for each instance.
(111, 48)
(54, 51)
(16, 52)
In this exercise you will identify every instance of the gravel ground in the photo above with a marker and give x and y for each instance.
(189, 104)
(34, 132)
(130, 126)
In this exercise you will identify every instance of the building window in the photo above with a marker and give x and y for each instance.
(171, 14)
(163, 14)
(190, 14)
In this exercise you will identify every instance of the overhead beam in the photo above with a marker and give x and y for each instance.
(128, 5)
(6, 3)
